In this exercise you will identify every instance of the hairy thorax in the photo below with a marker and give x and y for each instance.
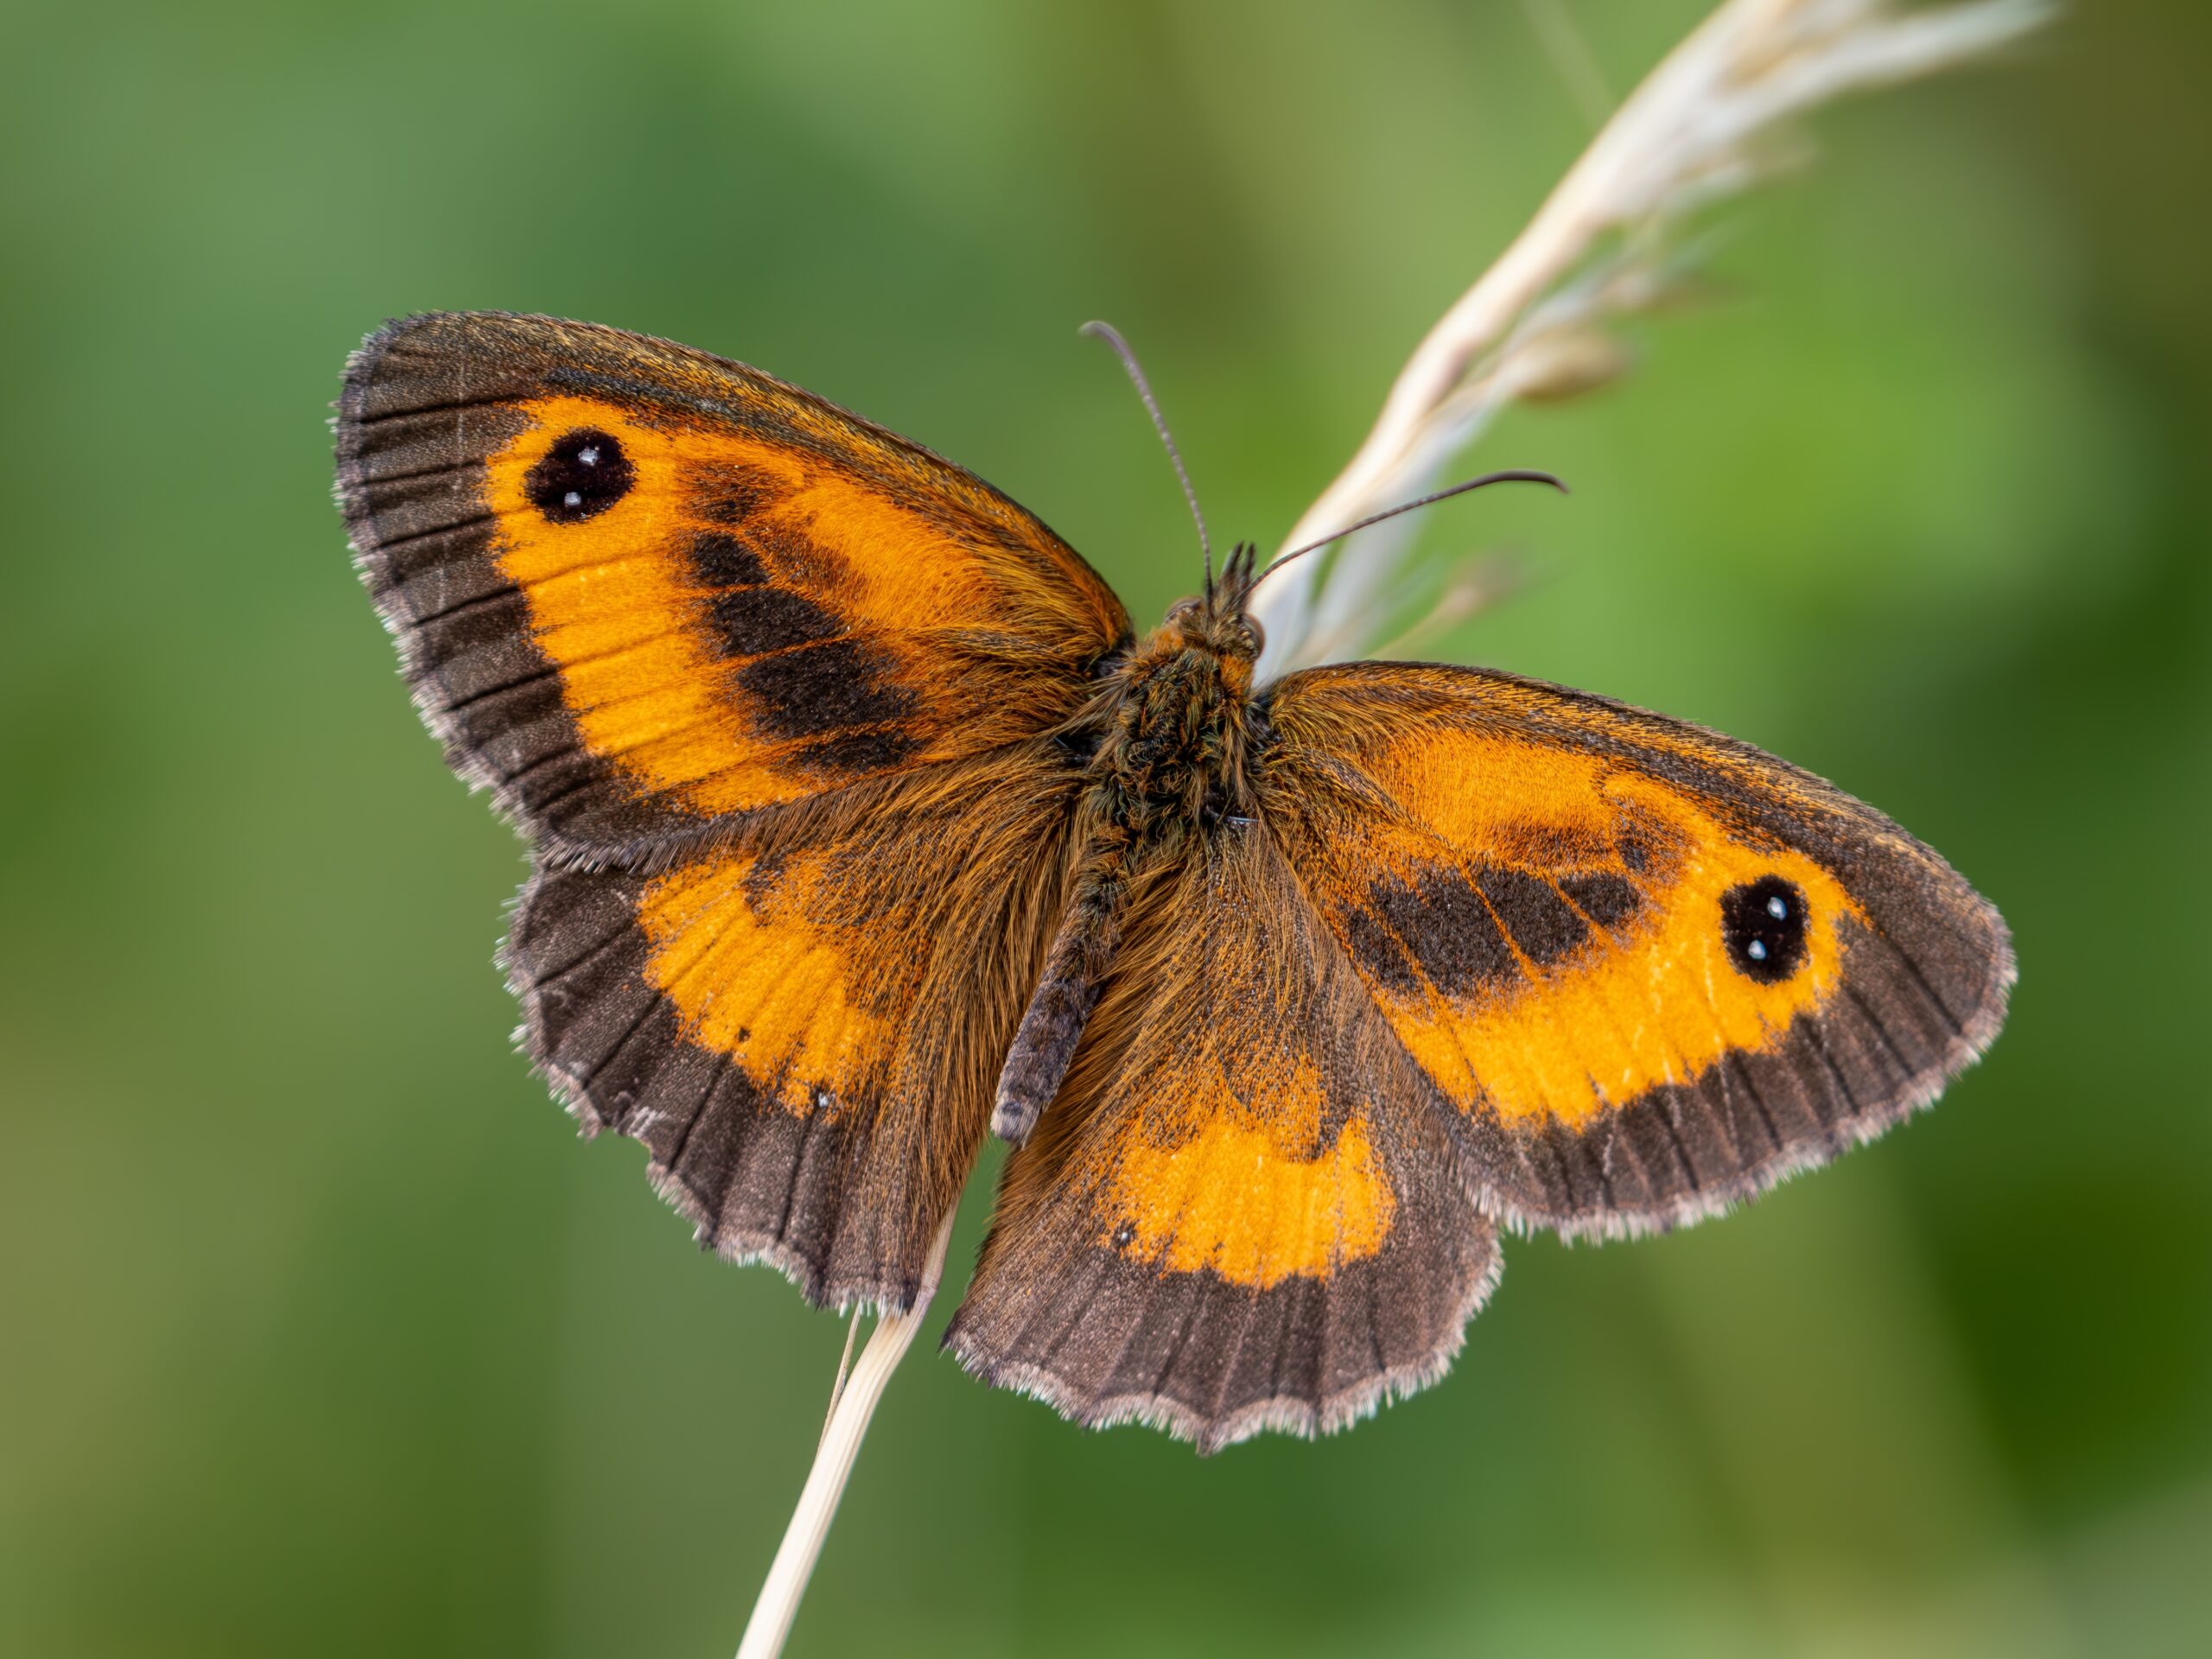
(1173, 732)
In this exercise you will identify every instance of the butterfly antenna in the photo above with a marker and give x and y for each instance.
(1516, 475)
(1107, 332)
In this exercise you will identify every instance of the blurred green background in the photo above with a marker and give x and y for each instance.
(320, 1335)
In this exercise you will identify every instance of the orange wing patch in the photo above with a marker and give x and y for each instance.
(1548, 936)
(733, 944)
(1250, 1194)
(736, 627)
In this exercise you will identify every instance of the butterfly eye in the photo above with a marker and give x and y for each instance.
(1259, 635)
(583, 475)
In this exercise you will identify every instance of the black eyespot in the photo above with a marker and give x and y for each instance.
(1763, 924)
(583, 475)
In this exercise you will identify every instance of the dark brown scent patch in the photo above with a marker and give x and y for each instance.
(1442, 924)
(753, 621)
(583, 475)
(1763, 924)
(1538, 919)
(832, 687)
(858, 754)
(726, 495)
(1606, 898)
(719, 560)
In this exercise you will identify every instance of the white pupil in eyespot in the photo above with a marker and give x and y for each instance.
(1777, 909)
(590, 456)
(573, 498)
(1756, 950)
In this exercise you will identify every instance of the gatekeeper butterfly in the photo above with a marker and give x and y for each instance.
(864, 821)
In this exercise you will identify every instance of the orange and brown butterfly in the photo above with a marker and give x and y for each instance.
(864, 823)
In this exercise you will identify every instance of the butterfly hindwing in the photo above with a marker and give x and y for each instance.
(1242, 1210)
(1649, 969)
(640, 589)
(803, 1029)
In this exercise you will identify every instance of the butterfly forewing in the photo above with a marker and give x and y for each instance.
(1647, 970)
(640, 589)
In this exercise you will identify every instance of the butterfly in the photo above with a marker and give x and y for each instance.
(865, 823)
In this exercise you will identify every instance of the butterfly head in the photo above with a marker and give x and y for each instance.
(1216, 621)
